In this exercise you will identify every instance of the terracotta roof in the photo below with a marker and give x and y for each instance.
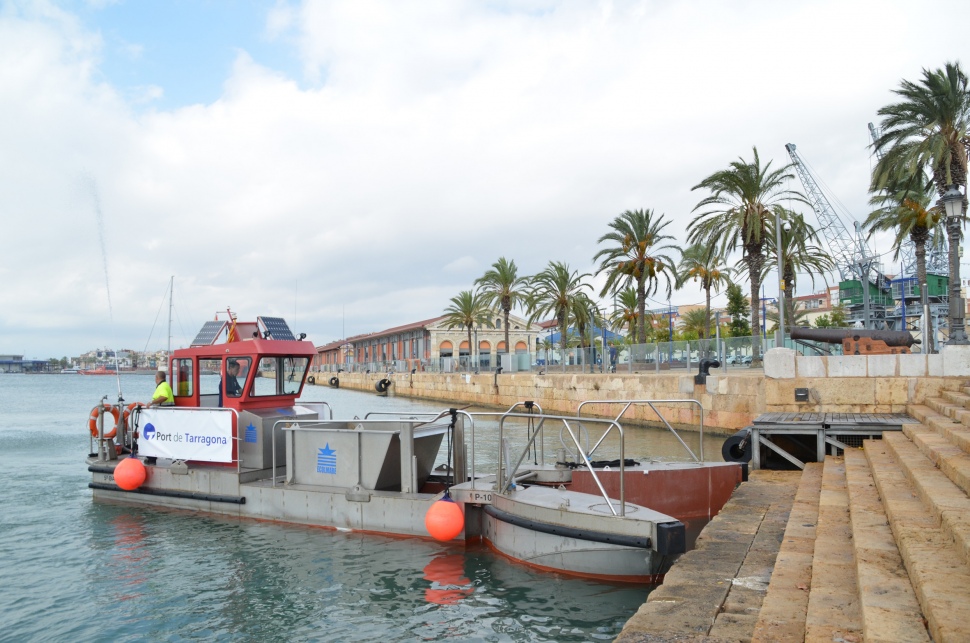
(383, 333)
(332, 345)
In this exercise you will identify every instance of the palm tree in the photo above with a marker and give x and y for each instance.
(701, 262)
(557, 291)
(743, 199)
(793, 317)
(637, 257)
(696, 321)
(904, 207)
(468, 309)
(926, 130)
(798, 255)
(584, 317)
(626, 314)
(502, 287)
(929, 130)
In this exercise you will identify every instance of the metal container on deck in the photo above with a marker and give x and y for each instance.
(373, 455)
(255, 435)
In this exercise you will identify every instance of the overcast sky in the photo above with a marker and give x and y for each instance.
(351, 166)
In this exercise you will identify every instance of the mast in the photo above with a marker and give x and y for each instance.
(171, 285)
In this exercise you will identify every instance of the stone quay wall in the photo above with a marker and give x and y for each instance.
(731, 401)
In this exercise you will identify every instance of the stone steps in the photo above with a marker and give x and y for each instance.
(948, 420)
(876, 546)
(889, 608)
(714, 592)
(939, 574)
(833, 603)
(784, 608)
(884, 553)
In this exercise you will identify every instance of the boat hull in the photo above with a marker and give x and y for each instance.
(576, 533)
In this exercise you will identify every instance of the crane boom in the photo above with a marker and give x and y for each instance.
(847, 252)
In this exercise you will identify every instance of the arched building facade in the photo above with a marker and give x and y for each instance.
(423, 345)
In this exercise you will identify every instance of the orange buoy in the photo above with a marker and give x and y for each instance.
(130, 474)
(444, 519)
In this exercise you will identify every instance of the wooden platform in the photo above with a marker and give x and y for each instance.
(833, 432)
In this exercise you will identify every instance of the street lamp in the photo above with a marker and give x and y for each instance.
(953, 202)
(780, 341)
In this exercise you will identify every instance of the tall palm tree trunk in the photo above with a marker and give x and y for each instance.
(707, 309)
(929, 335)
(561, 318)
(754, 274)
(642, 311)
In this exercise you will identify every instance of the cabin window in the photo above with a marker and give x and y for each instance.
(294, 369)
(265, 382)
(183, 378)
(209, 376)
(237, 370)
(280, 375)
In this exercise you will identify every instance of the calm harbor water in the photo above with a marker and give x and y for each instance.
(76, 570)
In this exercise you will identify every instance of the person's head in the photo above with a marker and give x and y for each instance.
(233, 367)
(159, 377)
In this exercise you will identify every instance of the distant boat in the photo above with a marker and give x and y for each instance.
(101, 370)
(69, 371)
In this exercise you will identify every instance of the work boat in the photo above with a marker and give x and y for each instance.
(239, 442)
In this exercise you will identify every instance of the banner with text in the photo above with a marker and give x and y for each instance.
(182, 434)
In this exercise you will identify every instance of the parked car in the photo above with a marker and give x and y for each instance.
(746, 359)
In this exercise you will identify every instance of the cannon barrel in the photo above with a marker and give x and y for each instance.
(836, 335)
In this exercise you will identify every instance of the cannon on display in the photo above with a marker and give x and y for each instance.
(856, 341)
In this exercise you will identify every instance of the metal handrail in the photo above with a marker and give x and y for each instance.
(404, 416)
(504, 482)
(651, 403)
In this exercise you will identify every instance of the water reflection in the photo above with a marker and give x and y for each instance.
(446, 572)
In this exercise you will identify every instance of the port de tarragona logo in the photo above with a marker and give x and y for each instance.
(151, 434)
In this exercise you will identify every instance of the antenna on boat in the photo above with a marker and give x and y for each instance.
(171, 287)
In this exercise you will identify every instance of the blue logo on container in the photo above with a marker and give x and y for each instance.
(149, 431)
(286, 411)
(250, 433)
(327, 460)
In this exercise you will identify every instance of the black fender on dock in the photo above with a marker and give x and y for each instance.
(311, 380)
(382, 385)
(737, 448)
(335, 382)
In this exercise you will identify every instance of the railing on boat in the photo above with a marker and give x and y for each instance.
(507, 475)
(504, 482)
(127, 428)
(650, 403)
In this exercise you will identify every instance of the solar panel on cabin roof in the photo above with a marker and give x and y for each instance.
(277, 327)
(209, 333)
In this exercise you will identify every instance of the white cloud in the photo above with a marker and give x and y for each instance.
(433, 138)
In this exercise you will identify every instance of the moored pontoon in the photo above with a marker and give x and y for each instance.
(240, 443)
